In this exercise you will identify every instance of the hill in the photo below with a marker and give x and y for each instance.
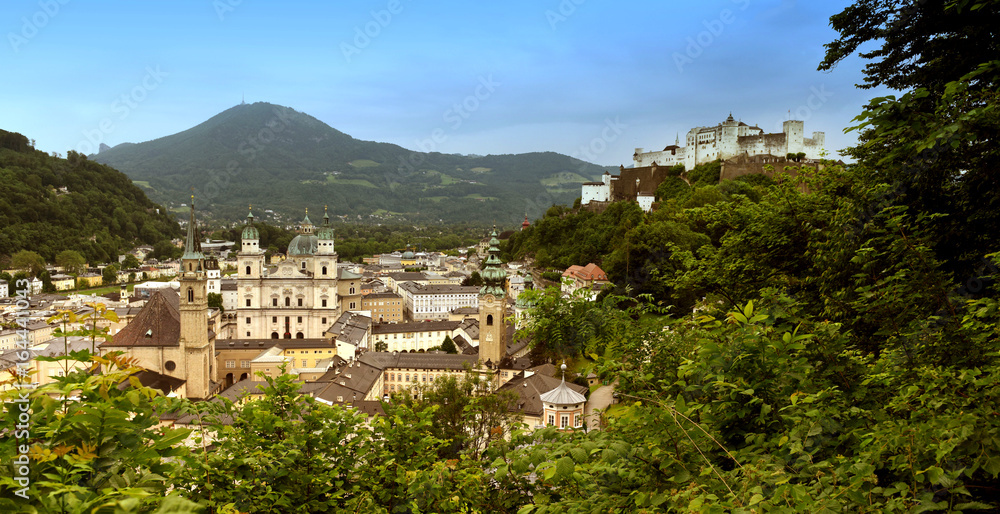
(48, 204)
(285, 160)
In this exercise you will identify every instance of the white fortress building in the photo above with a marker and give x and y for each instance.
(724, 141)
(730, 139)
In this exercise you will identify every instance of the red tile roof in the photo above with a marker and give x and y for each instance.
(588, 273)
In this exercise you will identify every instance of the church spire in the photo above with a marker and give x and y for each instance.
(192, 245)
(493, 274)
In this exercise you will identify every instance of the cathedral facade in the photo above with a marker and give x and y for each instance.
(298, 298)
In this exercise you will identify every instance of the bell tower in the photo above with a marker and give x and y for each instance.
(492, 333)
(196, 365)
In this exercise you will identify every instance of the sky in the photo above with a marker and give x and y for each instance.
(587, 78)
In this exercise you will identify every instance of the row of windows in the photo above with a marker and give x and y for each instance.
(232, 364)
(564, 420)
(249, 270)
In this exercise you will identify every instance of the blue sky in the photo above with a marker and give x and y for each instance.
(588, 78)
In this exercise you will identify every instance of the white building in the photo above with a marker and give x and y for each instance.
(412, 337)
(435, 301)
(731, 138)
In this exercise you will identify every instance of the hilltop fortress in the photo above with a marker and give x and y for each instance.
(733, 142)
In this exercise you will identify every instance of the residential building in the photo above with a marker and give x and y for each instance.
(384, 307)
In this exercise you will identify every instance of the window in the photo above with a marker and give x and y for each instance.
(245, 363)
(299, 335)
(274, 335)
(324, 270)
(303, 264)
(248, 321)
(564, 422)
(352, 305)
(552, 419)
(298, 319)
(190, 295)
(407, 377)
(274, 319)
(288, 302)
(248, 302)
(300, 302)
(579, 420)
(304, 361)
(489, 320)
(248, 333)
(248, 270)
(324, 303)
(322, 321)
(274, 302)
(230, 364)
(352, 290)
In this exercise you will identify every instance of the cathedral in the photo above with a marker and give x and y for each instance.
(299, 298)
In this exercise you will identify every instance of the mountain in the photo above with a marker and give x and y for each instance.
(283, 160)
(48, 204)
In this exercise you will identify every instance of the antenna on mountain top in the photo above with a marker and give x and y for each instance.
(244, 100)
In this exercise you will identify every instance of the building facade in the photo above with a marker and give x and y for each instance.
(296, 299)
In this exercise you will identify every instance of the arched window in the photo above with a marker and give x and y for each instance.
(190, 295)
(352, 290)
(248, 270)
(274, 335)
(324, 270)
(299, 335)
(288, 301)
(489, 320)
(287, 335)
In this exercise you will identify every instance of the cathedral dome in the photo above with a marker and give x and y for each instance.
(303, 244)
(250, 232)
(407, 255)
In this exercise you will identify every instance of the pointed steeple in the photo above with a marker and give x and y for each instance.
(192, 245)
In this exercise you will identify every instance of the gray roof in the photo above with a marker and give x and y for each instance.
(417, 326)
(416, 288)
(563, 395)
(350, 327)
(530, 391)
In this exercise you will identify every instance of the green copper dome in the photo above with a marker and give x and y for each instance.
(250, 232)
(303, 244)
(493, 273)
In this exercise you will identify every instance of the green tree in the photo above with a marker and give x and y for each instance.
(935, 143)
(28, 260)
(109, 274)
(473, 280)
(100, 447)
(215, 301)
(71, 261)
(448, 346)
(130, 262)
(283, 452)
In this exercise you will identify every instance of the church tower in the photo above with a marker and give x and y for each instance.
(196, 364)
(492, 346)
